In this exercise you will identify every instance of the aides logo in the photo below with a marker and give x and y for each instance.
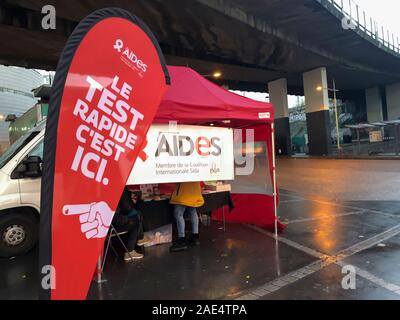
(184, 146)
(130, 58)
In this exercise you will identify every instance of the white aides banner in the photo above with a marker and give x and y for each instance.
(185, 153)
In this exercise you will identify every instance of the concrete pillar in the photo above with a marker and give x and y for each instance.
(393, 101)
(374, 104)
(317, 111)
(278, 97)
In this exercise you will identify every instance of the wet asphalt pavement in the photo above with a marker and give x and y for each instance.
(330, 230)
(350, 180)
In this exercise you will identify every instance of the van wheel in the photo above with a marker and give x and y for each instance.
(18, 234)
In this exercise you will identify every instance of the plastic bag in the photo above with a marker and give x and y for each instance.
(159, 236)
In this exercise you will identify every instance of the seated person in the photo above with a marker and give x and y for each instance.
(186, 197)
(127, 218)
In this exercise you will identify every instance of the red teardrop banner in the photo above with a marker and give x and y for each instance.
(109, 83)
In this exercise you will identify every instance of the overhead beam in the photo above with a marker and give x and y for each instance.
(262, 25)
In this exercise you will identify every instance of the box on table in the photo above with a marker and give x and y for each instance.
(218, 187)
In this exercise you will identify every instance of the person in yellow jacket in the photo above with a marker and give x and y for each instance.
(186, 197)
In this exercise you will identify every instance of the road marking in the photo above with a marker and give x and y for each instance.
(287, 279)
(325, 216)
(291, 201)
(356, 208)
(294, 198)
(324, 261)
(291, 243)
(376, 280)
(373, 241)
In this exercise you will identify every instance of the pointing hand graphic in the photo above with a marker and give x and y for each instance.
(95, 218)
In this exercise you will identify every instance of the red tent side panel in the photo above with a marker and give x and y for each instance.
(257, 209)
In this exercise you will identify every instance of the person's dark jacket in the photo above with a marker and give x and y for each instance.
(126, 205)
(126, 209)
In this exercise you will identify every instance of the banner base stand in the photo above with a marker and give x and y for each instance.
(99, 280)
(99, 272)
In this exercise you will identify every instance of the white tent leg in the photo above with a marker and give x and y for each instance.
(275, 191)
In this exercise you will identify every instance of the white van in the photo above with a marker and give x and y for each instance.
(20, 179)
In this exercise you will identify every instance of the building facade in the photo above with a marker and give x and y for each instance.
(16, 96)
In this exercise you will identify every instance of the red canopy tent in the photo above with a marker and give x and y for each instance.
(192, 99)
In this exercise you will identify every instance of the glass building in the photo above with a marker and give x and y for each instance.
(16, 96)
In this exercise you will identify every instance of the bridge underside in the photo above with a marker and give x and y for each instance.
(252, 42)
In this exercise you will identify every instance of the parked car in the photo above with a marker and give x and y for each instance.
(20, 179)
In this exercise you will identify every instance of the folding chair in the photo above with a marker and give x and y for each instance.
(111, 234)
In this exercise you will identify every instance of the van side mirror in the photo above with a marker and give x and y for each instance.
(29, 168)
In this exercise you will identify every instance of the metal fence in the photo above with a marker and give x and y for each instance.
(361, 143)
(358, 19)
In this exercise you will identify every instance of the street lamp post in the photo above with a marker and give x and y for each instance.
(336, 115)
(334, 90)
(215, 75)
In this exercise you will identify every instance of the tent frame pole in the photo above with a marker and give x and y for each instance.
(275, 191)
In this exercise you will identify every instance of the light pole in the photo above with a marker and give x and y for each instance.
(334, 90)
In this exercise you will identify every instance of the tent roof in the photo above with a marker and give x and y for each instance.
(192, 99)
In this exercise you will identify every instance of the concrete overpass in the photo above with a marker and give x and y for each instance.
(292, 45)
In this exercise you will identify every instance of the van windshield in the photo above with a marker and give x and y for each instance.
(17, 147)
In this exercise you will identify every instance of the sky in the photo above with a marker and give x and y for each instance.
(385, 12)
